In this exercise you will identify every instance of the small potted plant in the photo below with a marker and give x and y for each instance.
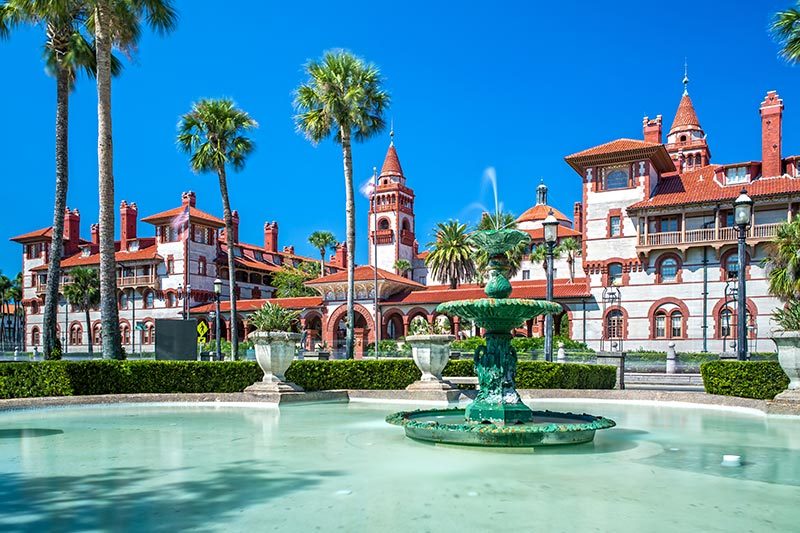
(275, 341)
(430, 349)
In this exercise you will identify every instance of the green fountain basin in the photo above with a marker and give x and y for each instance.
(499, 314)
(547, 428)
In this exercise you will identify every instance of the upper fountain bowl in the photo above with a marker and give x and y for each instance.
(499, 314)
(498, 241)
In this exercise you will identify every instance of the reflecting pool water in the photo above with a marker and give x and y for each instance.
(329, 467)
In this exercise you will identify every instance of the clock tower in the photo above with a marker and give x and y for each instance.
(391, 216)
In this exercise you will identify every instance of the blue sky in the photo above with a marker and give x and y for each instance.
(510, 85)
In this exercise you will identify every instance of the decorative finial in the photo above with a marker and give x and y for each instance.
(685, 77)
(391, 133)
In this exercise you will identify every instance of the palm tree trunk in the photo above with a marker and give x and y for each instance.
(226, 215)
(321, 263)
(88, 328)
(56, 244)
(350, 238)
(109, 314)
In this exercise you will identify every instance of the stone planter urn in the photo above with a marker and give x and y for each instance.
(788, 343)
(274, 352)
(430, 354)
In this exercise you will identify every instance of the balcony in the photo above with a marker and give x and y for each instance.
(137, 281)
(707, 236)
(383, 236)
(407, 237)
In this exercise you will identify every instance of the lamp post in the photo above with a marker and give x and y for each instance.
(550, 225)
(742, 217)
(217, 325)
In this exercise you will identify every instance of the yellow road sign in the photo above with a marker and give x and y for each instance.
(202, 329)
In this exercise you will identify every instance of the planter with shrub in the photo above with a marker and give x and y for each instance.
(275, 341)
(430, 350)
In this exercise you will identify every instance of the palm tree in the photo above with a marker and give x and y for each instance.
(783, 262)
(402, 266)
(539, 255)
(5, 286)
(84, 293)
(451, 257)
(322, 241)
(213, 134)
(66, 52)
(343, 97)
(116, 23)
(514, 257)
(16, 297)
(569, 247)
(786, 30)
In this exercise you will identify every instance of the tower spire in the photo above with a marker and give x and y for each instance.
(685, 77)
(391, 133)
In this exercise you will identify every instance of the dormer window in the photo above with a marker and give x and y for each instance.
(133, 246)
(86, 251)
(616, 178)
(237, 252)
(736, 175)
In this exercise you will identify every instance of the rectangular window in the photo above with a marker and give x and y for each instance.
(526, 274)
(169, 234)
(170, 265)
(669, 224)
(615, 227)
(735, 175)
(677, 326)
(661, 326)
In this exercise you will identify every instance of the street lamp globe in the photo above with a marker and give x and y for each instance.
(217, 286)
(743, 209)
(550, 225)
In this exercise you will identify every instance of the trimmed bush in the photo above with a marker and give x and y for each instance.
(79, 378)
(748, 379)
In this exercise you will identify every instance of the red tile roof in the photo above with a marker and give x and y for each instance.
(302, 302)
(563, 232)
(391, 163)
(365, 273)
(194, 214)
(685, 116)
(79, 259)
(534, 289)
(699, 186)
(621, 150)
(39, 234)
(540, 212)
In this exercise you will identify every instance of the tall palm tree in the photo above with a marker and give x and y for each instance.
(786, 30)
(322, 241)
(500, 221)
(5, 286)
(401, 266)
(343, 97)
(783, 261)
(16, 297)
(570, 248)
(451, 257)
(116, 24)
(66, 53)
(213, 134)
(84, 293)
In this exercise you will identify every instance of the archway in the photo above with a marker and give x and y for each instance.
(336, 330)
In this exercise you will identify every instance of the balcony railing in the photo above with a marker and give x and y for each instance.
(407, 237)
(706, 235)
(383, 236)
(137, 281)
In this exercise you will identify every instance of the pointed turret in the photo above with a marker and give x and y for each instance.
(686, 140)
(391, 164)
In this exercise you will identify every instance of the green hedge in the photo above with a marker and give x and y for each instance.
(67, 378)
(749, 379)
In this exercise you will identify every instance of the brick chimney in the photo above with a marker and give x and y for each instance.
(339, 257)
(95, 229)
(271, 236)
(652, 129)
(577, 217)
(189, 198)
(288, 250)
(771, 118)
(235, 225)
(72, 231)
(128, 214)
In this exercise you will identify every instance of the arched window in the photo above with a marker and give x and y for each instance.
(615, 274)
(125, 333)
(406, 225)
(97, 334)
(683, 138)
(124, 300)
(75, 334)
(615, 322)
(676, 325)
(149, 333)
(661, 325)
(728, 321)
(35, 336)
(149, 300)
(383, 224)
(172, 300)
(732, 266)
(669, 270)
(34, 307)
(255, 278)
(201, 266)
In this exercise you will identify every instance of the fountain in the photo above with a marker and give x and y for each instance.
(497, 416)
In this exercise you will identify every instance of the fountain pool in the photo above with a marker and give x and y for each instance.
(340, 467)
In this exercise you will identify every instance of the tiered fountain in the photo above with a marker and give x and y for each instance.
(497, 416)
